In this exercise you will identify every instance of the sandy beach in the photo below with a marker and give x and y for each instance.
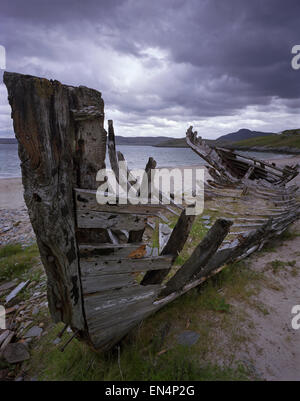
(11, 193)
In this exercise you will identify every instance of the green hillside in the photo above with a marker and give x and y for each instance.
(173, 143)
(287, 139)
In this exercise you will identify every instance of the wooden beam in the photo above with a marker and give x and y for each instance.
(173, 247)
(199, 258)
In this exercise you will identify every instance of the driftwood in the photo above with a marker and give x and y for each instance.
(102, 277)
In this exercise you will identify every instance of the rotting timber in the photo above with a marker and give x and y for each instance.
(103, 278)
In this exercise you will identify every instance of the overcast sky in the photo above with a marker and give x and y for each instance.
(163, 65)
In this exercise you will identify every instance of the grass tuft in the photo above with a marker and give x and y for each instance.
(15, 260)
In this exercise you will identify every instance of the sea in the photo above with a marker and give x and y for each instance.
(136, 156)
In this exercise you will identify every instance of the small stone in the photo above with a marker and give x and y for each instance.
(41, 324)
(35, 310)
(15, 353)
(188, 338)
(35, 331)
(56, 341)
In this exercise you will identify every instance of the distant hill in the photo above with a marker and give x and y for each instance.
(232, 137)
(8, 140)
(173, 143)
(241, 135)
(286, 142)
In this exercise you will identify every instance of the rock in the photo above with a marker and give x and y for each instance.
(35, 331)
(35, 310)
(15, 353)
(7, 340)
(56, 341)
(3, 336)
(188, 338)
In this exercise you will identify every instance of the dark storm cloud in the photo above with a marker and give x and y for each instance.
(172, 59)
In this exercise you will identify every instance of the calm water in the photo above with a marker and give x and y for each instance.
(136, 156)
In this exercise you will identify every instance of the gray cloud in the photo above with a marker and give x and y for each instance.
(162, 65)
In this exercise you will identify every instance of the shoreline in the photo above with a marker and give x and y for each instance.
(11, 189)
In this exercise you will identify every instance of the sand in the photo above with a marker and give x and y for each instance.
(11, 193)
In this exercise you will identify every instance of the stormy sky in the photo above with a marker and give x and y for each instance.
(163, 65)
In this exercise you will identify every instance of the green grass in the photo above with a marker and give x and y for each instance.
(197, 233)
(151, 352)
(137, 362)
(275, 141)
(15, 260)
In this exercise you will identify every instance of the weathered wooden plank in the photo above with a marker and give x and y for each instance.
(246, 225)
(248, 220)
(108, 301)
(93, 219)
(87, 113)
(86, 200)
(164, 233)
(105, 335)
(200, 257)
(112, 153)
(55, 157)
(146, 181)
(111, 264)
(173, 247)
(92, 283)
(109, 250)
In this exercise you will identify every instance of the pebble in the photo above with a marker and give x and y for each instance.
(188, 337)
(15, 227)
(35, 310)
(34, 331)
(15, 353)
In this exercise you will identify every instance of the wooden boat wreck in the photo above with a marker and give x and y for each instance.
(93, 252)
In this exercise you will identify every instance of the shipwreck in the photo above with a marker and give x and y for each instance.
(102, 281)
